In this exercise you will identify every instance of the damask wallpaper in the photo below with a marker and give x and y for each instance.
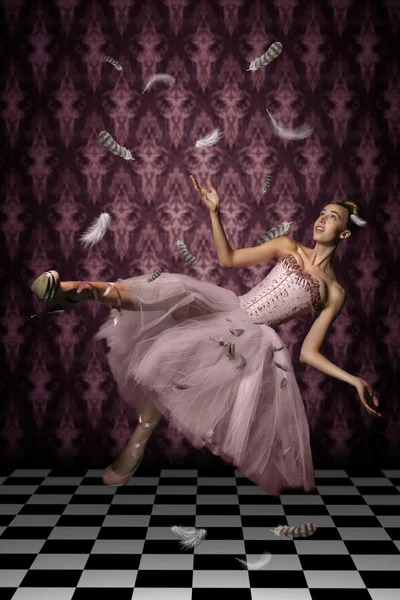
(338, 71)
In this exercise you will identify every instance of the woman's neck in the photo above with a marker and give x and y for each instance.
(322, 256)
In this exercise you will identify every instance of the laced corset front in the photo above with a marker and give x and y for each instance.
(287, 292)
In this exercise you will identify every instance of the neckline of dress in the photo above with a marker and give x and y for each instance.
(316, 289)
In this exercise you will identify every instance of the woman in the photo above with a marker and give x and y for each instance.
(212, 363)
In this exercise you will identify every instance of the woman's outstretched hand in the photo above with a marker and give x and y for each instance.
(209, 198)
(367, 396)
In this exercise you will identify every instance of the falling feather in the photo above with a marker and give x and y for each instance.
(154, 276)
(243, 363)
(267, 182)
(110, 144)
(184, 252)
(274, 232)
(358, 220)
(282, 367)
(290, 134)
(210, 139)
(303, 530)
(237, 332)
(273, 52)
(256, 564)
(113, 62)
(231, 351)
(220, 342)
(164, 77)
(97, 230)
(189, 536)
(180, 386)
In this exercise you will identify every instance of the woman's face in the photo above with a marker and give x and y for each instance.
(333, 220)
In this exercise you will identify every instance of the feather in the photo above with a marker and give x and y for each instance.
(256, 564)
(184, 252)
(154, 276)
(210, 139)
(282, 367)
(180, 386)
(164, 77)
(231, 351)
(358, 220)
(220, 342)
(113, 62)
(303, 530)
(290, 134)
(97, 230)
(274, 232)
(243, 363)
(267, 182)
(189, 536)
(273, 52)
(110, 144)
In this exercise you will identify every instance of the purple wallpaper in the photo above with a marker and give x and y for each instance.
(337, 72)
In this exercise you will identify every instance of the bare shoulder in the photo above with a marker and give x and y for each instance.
(286, 245)
(336, 296)
(247, 257)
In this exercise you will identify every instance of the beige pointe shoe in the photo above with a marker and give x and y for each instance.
(111, 477)
(47, 288)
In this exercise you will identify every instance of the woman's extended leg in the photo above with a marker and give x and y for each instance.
(49, 288)
(94, 290)
(131, 456)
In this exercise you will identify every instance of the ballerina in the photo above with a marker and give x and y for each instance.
(211, 362)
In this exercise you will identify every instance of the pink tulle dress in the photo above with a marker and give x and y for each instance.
(224, 379)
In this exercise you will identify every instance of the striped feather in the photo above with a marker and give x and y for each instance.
(154, 276)
(113, 62)
(273, 52)
(296, 531)
(267, 182)
(274, 232)
(184, 252)
(108, 142)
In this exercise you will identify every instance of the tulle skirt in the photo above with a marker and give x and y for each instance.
(223, 381)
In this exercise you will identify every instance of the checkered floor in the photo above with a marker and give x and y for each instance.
(64, 535)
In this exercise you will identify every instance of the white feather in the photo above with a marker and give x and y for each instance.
(97, 230)
(358, 220)
(164, 77)
(210, 139)
(290, 134)
(189, 536)
(256, 564)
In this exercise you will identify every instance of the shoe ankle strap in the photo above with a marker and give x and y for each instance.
(146, 424)
(108, 289)
(82, 285)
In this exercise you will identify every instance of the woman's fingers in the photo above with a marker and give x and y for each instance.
(195, 184)
(197, 187)
(372, 411)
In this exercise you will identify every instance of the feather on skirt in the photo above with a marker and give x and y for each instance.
(191, 370)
